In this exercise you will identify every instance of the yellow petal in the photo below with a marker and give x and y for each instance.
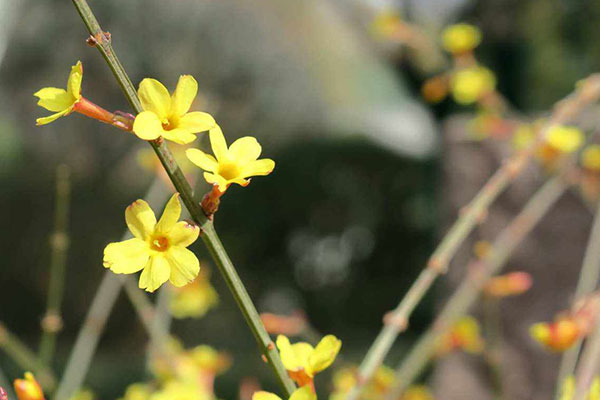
(74, 82)
(202, 160)
(245, 150)
(54, 99)
(183, 234)
(179, 136)
(215, 179)
(324, 353)
(170, 216)
(258, 167)
(155, 97)
(303, 393)
(184, 265)
(303, 353)
(147, 126)
(155, 273)
(218, 144)
(262, 395)
(140, 219)
(196, 121)
(126, 257)
(50, 118)
(184, 95)
(288, 356)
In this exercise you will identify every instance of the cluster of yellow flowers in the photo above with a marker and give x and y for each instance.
(159, 248)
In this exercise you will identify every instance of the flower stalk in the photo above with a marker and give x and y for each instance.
(397, 320)
(59, 244)
(479, 273)
(208, 233)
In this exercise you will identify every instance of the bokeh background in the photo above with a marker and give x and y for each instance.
(358, 197)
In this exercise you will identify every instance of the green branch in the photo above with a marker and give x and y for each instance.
(59, 244)
(208, 233)
(468, 292)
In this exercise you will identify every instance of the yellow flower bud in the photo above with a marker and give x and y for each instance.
(28, 388)
(470, 84)
(590, 158)
(460, 38)
(565, 139)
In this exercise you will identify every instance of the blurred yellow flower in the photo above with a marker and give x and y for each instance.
(417, 392)
(194, 300)
(159, 249)
(167, 116)
(386, 23)
(137, 391)
(460, 38)
(558, 335)
(469, 84)
(565, 139)
(233, 164)
(175, 390)
(28, 388)
(590, 158)
(465, 335)
(302, 361)
(303, 393)
(524, 135)
(61, 101)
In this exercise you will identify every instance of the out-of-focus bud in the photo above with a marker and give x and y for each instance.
(471, 84)
(590, 159)
(464, 335)
(28, 388)
(461, 38)
(565, 139)
(435, 89)
(511, 284)
(490, 124)
(556, 336)
(3, 395)
(291, 325)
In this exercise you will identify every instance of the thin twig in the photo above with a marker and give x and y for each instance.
(397, 320)
(590, 362)
(59, 243)
(26, 359)
(101, 307)
(209, 235)
(588, 280)
(479, 272)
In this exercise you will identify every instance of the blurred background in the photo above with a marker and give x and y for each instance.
(365, 178)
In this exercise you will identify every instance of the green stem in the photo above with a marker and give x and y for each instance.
(26, 359)
(586, 93)
(208, 234)
(59, 243)
(588, 280)
(480, 271)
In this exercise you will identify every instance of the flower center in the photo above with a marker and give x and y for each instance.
(159, 243)
(229, 170)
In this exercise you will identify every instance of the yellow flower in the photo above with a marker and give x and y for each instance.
(417, 392)
(469, 84)
(460, 38)
(302, 361)
(157, 248)
(591, 157)
(465, 335)
(28, 388)
(233, 164)
(61, 101)
(194, 300)
(558, 335)
(303, 393)
(137, 391)
(565, 139)
(175, 390)
(167, 116)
